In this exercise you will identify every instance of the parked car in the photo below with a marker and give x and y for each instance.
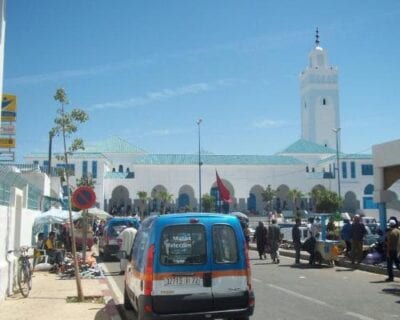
(108, 240)
(189, 266)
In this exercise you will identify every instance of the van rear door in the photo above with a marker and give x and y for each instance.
(182, 271)
(229, 273)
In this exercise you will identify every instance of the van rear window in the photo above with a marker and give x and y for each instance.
(183, 245)
(224, 244)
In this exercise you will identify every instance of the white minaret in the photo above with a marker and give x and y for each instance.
(319, 94)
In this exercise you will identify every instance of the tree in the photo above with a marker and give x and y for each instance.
(143, 198)
(267, 196)
(294, 195)
(325, 200)
(86, 181)
(208, 202)
(165, 198)
(66, 123)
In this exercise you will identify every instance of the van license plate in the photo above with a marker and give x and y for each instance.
(182, 281)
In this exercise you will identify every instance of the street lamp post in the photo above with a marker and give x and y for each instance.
(337, 130)
(198, 125)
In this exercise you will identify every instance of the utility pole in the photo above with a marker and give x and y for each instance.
(198, 125)
(337, 131)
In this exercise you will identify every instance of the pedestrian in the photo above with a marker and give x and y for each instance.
(393, 241)
(357, 233)
(274, 239)
(345, 234)
(127, 236)
(52, 251)
(310, 243)
(296, 237)
(330, 229)
(260, 237)
(246, 231)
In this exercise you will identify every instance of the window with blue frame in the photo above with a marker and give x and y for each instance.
(368, 199)
(70, 168)
(344, 170)
(94, 169)
(183, 200)
(334, 170)
(251, 203)
(84, 168)
(367, 170)
(353, 169)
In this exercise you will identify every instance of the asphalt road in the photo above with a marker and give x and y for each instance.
(289, 292)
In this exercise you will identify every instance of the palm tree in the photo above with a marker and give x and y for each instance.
(267, 196)
(143, 198)
(294, 195)
(165, 198)
(208, 203)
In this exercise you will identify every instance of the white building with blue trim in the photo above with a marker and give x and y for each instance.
(121, 170)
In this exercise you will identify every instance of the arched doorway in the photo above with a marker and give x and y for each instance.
(120, 201)
(350, 202)
(221, 206)
(155, 202)
(368, 199)
(281, 202)
(186, 198)
(254, 201)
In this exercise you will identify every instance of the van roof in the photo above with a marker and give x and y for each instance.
(199, 215)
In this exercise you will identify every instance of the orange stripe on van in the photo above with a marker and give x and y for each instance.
(166, 275)
(228, 273)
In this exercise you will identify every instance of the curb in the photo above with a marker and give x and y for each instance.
(111, 308)
(341, 263)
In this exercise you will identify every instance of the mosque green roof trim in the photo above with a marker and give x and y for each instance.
(114, 145)
(76, 155)
(350, 156)
(305, 146)
(210, 159)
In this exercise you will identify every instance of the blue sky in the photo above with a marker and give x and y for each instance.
(147, 70)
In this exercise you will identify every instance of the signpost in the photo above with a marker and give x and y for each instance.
(84, 198)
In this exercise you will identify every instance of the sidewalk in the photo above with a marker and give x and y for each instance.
(47, 300)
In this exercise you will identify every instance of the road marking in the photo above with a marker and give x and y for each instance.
(359, 316)
(298, 295)
(114, 287)
(322, 303)
(257, 280)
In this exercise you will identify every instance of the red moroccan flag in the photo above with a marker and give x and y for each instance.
(224, 193)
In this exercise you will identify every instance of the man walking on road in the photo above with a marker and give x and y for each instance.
(393, 241)
(274, 238)
(128, 236)
(357, 234)
(296, 237)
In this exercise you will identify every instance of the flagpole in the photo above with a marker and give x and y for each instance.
(198, 125)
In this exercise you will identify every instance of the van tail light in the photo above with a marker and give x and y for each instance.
(148, 275)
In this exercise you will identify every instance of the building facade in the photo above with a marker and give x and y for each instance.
(121, 170)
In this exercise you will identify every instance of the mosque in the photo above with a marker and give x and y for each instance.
(120, 170)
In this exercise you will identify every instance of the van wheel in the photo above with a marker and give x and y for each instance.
(127, 302)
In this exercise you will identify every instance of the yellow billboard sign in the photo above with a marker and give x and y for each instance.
(9, 108)
(7, 143)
